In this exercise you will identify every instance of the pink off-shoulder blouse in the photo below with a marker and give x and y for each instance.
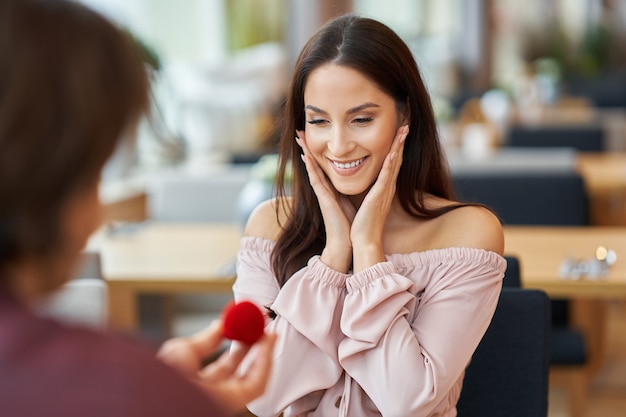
(392, 340)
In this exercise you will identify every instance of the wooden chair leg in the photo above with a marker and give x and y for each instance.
(575, 378)
(578, 394)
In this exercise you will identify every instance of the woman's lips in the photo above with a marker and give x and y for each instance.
(347, 167)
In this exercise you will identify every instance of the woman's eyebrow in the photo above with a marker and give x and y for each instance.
(362, 107)
(315, 109)
(349, 111)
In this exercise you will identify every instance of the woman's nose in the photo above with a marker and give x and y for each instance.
(339, 143)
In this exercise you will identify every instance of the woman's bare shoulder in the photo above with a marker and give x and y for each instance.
(266, 221)
(474, 227)
(469, 226)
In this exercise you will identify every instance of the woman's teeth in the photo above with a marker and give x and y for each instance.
(349, 164)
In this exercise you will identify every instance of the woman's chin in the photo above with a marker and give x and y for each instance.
(353, 193)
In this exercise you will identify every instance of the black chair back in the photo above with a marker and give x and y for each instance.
(508, 373)
(585, 138)
(527, 198)
(512, 275)
(536, 198)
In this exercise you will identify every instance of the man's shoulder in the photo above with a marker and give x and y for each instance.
(60, 370)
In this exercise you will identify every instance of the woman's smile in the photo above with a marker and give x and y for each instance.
(348, 167)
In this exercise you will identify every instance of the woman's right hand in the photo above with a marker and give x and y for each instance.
(337, 211)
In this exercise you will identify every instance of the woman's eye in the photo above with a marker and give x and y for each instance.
(363, 120)
(316, 121)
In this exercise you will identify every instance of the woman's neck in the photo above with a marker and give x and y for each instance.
(357, 200)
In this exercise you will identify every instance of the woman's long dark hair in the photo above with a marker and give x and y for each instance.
(376, 51)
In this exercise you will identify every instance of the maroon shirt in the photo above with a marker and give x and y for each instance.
(52, 370)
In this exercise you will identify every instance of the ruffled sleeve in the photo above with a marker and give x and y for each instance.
(307, 311)
(255, 280)
(412, 325)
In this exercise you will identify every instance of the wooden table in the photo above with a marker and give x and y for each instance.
(176, 258)
(182, 258)
(604, 173)
(164, 258)
(605, 179)
(541, 251)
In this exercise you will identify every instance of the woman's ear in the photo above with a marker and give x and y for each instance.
(405, 113)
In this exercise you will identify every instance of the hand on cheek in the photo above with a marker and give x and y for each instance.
(337, 212)
(367, 228)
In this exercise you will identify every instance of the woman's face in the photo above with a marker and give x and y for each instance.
(350, 125)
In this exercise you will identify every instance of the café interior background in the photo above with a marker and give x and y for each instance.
(220, 68)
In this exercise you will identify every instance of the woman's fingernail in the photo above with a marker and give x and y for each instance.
(405, 133)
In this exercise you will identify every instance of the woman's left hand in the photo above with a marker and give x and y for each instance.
(368, 224)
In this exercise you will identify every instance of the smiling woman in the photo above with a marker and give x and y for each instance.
(376, 279)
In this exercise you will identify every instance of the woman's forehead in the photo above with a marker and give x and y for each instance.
(333, 85)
